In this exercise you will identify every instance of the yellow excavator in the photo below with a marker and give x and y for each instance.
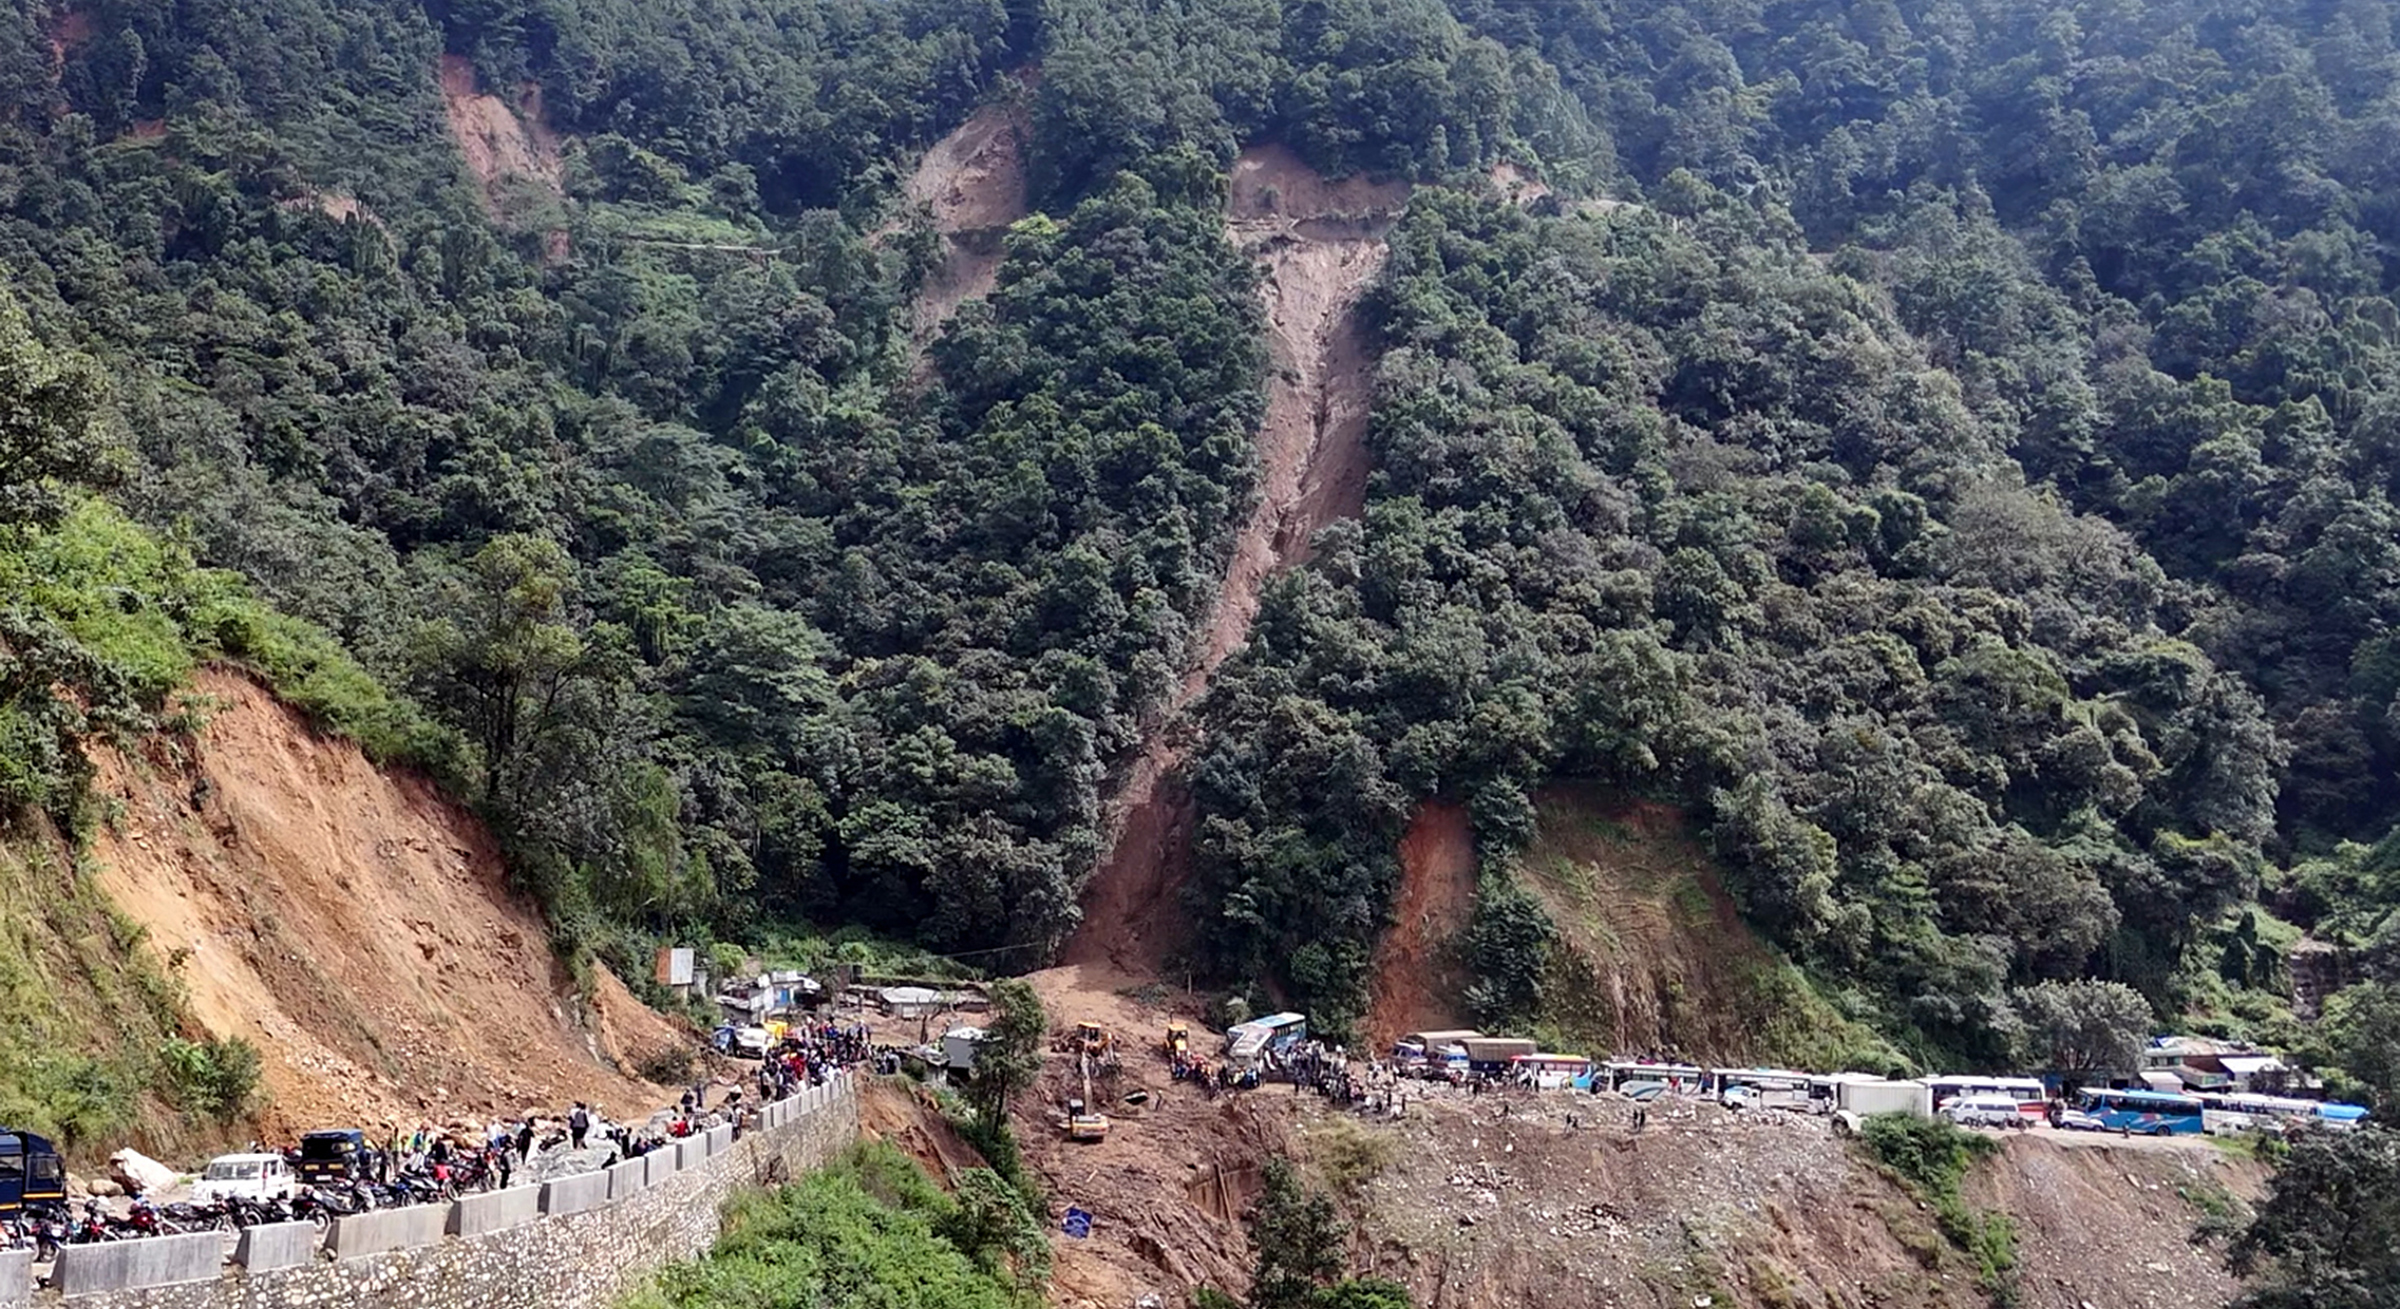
(1085, 1123)
(1179, 1039)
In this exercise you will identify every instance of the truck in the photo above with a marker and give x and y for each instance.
(1865, 1096)
(31, 1172)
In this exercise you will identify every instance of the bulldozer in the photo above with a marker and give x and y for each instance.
(1091, 1041)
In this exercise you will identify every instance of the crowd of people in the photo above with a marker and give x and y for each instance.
(1372, 1086)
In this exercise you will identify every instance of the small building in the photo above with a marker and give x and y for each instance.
(909, 1001)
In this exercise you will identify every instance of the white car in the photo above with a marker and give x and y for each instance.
(244, 1177)
(1739, 1097)
(1983, 1111)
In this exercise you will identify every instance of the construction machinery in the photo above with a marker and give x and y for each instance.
(1179, 1040)
(1091, 1041)
(1085, 1123)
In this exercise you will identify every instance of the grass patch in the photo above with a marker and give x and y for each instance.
(1931, 1158)
(868, 1229)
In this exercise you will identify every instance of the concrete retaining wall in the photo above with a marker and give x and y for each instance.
(16, 1276)
(495, 1211)
(626, 1178)
(585, 1260)
(386, 1230)
(573, 1195)
(269, 1246)
(85, 1270)
(660, 1165)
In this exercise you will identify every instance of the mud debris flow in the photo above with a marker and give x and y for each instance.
(1319, 244)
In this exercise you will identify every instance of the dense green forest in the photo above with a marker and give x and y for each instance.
(1962, 473)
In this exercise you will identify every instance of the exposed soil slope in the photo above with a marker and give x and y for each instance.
(1492, 1200)
(1419, 982)
(502, 146)
(1656, 956)
(1320, 243)
(1704, 1207)
(354, 926)
(973, 183)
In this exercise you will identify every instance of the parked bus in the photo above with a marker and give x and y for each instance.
(2144, 1113)
(1764, 1088)
(1550, 1072)
(2238, 1112)
(1683, 1079)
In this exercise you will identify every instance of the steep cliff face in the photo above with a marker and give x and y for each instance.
(354, 926)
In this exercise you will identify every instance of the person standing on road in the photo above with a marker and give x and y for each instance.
(579, 1121)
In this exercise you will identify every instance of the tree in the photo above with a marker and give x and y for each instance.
(1299, 1243)
(2082, 1026)
(2327, 1236)
(51, 433)
(2362, 1031)
(1010, 1055)
(500, 659)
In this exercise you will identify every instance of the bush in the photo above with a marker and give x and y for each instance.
(213, 1081)
(1931, 1156)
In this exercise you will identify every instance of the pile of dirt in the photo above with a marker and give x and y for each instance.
(1319, 243)
(1419, 980)
(502, 145)
(354, 926)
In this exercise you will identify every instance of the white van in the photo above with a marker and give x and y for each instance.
(244, 1177)
(1983, 1111)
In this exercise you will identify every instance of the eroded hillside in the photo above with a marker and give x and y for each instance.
(1318, 245)
(1510, 1198)
(354, 926)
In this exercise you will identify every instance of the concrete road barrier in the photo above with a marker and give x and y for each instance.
(384, 1230)
(129, 1265)
(627, 1178)
(720, 1139)
(265, 1247)
(16, 1276)
(573, 1195)
(661, 1163)
(495, 1211)
(691, 1151)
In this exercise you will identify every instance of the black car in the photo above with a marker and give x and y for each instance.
(340, 1155)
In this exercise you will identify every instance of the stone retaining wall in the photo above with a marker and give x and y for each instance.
(582, 1260)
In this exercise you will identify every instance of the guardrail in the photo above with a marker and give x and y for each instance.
(83, 1270)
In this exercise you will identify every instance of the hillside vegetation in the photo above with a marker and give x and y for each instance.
(1958, 469)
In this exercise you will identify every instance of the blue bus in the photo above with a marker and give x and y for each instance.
(2144, 1113)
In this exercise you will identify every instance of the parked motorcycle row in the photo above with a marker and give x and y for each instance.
(44, 1228)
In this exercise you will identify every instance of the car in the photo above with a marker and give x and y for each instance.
(1982, 1111)
(2076, 1120)
(752, 1042)
(243, 1177)
(1739, 1097)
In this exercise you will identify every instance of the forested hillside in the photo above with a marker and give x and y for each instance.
(1948, 446)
